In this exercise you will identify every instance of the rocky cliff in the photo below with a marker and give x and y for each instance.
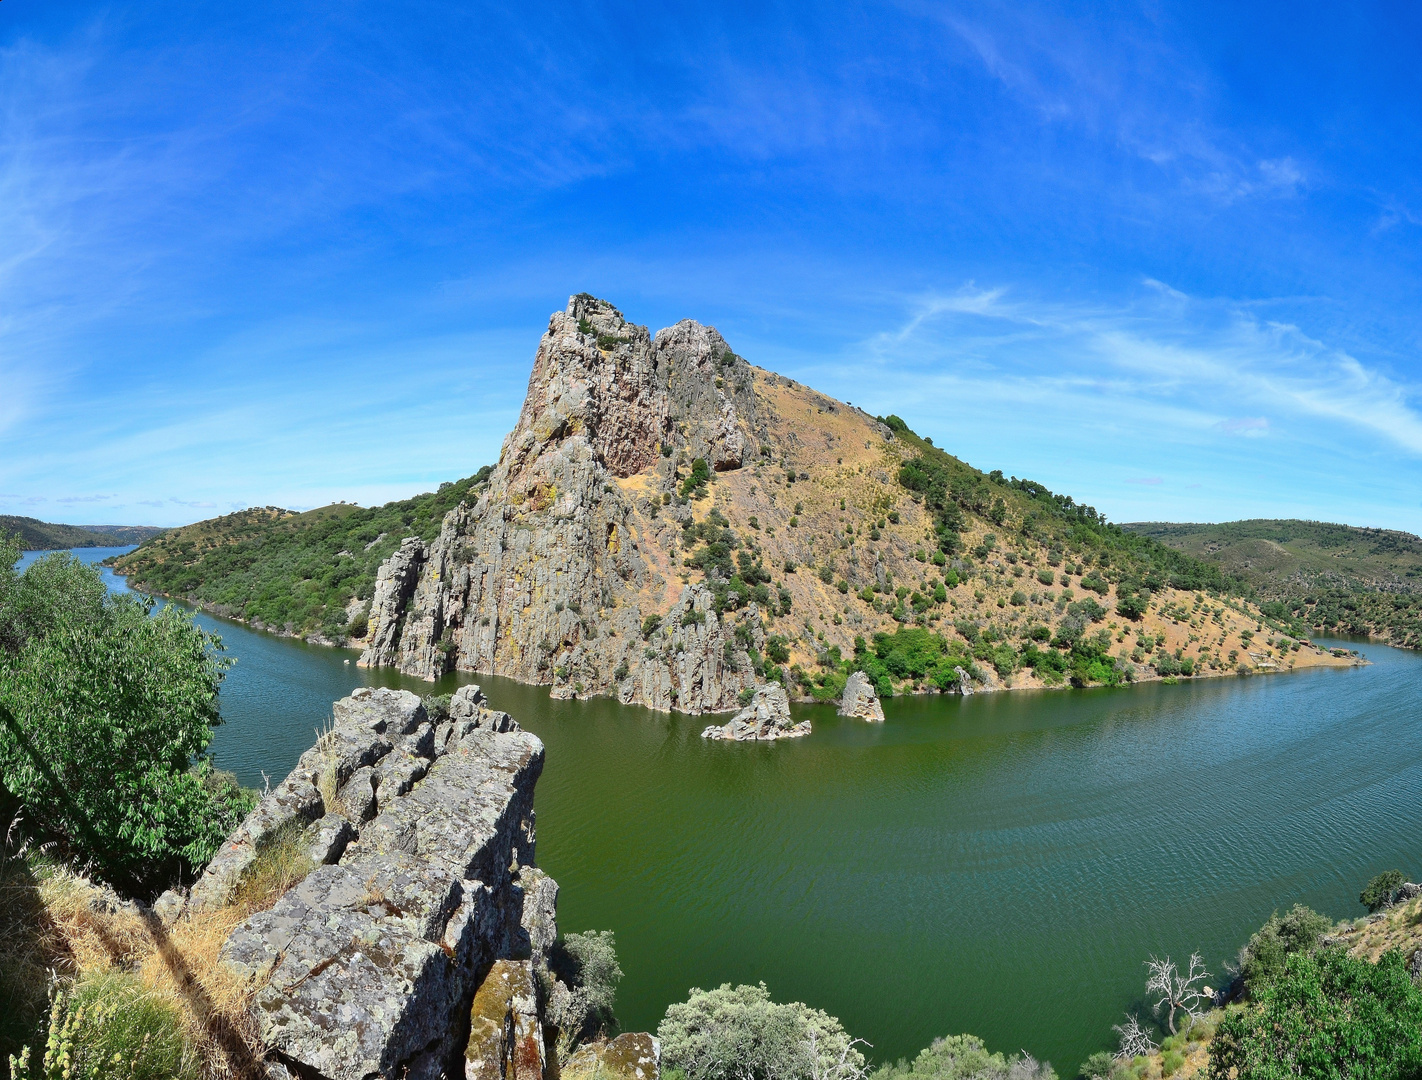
(550, 575)
(667, 524)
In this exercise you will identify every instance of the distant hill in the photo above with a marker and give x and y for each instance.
(36, 535)
(1366, 582)
(289, 572)
(127, 534)
(669, 524)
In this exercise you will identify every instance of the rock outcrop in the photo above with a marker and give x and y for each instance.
(370, 966)
(765, 719)
(860, 699)
(632, 1056)
(544, 578)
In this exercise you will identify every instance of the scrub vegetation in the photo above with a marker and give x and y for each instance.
(288, 572)
(1313, 576)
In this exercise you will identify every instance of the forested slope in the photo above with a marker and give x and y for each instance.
(1321, 577)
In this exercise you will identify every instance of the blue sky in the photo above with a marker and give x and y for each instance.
(1162, 257)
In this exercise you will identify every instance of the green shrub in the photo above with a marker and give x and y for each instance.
(1170, 1062)
(738, 1033)
(109, 1026)
(965, 1057)
(1328, 1015)
(106, 711)
(1262, 960)
(1381, 890)
(586, 968)
(649, 625)
(1099, 1066)
(359, 625)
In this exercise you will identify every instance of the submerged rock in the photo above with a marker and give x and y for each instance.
(860, 700)
(765, 719)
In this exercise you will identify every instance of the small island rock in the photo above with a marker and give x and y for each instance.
(859, 699)
(766, 719)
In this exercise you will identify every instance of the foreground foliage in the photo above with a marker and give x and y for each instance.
(965, 1057)
(105, 707)
(111, 1026)
(739, 1033)
(1328, 1015)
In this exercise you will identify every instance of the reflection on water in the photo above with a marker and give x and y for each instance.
(999, 864)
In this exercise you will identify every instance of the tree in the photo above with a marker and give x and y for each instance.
(1262, 959)
(1135, 1039)
(1329, 1016)
(965, 1057)
(1175, 990)
(738, 1033)
(106, 712)
(582, 997)
(1381, 890)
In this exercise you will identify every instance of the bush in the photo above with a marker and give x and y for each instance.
(649, 625)
(1046, 577)
(1099, 1066)
(1261, 961)
(106, 711)
(581, 1004)
(1328, 1015)
(359, 625)
(110, 1026)
(965, 1057)
(1381, 890)
(738, 1033)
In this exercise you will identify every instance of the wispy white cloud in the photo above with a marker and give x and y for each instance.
(1251, 427)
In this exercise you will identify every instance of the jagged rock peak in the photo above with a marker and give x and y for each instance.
(603, 380)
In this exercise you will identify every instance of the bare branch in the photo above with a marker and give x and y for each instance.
(1134, 1038)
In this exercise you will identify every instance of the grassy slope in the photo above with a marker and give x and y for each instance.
(38, 535)
(1324, 577)
(1024, 562)
(294, 573)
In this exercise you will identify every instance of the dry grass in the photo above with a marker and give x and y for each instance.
(1399, 928)
(58, 925)
(277, 867)
(328, 778)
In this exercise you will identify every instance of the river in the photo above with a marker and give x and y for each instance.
(1000, 864)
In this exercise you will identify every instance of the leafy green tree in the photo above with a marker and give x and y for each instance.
(106, 712)
(965, 1057)
(1381, 890)
(586, 967)
(1329, 1016)
(738, 1033)
(1262, 960)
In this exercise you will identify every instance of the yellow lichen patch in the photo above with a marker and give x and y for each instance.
(612, 541)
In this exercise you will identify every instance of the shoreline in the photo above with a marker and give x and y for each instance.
(996, 686)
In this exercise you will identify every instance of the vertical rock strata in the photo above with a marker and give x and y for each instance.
(544, 579)
(369, 967)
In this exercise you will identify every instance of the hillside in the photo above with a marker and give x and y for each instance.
(672, 525)
(36, 535)
(1321, 577)
(288, 572)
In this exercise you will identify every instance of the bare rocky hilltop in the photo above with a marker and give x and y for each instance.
(666, 520)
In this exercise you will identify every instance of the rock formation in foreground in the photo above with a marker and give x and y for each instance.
(765, 719)
(415, 947)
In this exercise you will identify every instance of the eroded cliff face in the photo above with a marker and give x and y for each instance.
(545, 578)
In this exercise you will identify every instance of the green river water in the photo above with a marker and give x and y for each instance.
(1000, 864)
